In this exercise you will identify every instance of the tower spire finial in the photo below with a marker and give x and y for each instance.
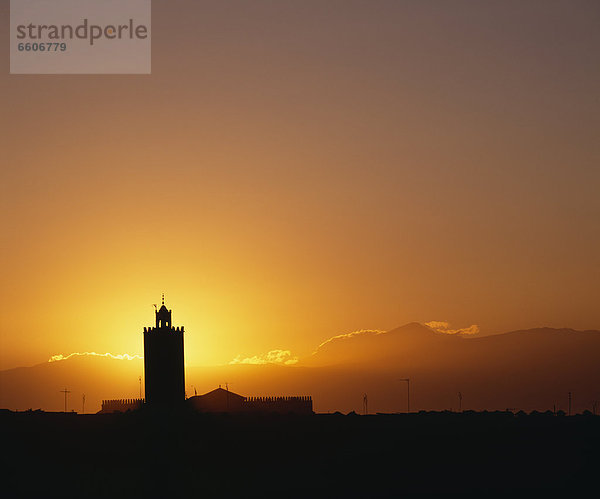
(163, 298)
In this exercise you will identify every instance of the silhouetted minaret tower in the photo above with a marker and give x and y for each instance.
(163, 361)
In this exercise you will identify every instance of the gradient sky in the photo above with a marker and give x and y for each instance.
(295, 170)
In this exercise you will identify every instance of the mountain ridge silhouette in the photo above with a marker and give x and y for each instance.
(529, 369)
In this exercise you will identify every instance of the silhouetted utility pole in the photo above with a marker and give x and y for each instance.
(227, 390)
(140, 380)
(594, 405)
(65, 391)
(570, 397)
(83, 404)
(459, 402)
(365, 404)
(407, 393)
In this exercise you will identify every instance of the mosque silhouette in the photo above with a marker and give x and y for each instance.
(164, 374)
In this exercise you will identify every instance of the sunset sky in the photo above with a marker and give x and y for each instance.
(291, 171)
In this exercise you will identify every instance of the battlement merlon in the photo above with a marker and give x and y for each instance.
(177, 329)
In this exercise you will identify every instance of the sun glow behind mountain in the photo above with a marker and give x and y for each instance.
(306, 171)
(341, 370)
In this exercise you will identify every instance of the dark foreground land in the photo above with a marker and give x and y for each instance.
(195, 455)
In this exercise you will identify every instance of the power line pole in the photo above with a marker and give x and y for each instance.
(570, 397)
(227, 390)
(365, 404)
(459, 402)
(407, 393)
(140, 380)
(65, 391)
(83, 404)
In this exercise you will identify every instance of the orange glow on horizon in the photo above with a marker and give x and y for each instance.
(291, 174)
